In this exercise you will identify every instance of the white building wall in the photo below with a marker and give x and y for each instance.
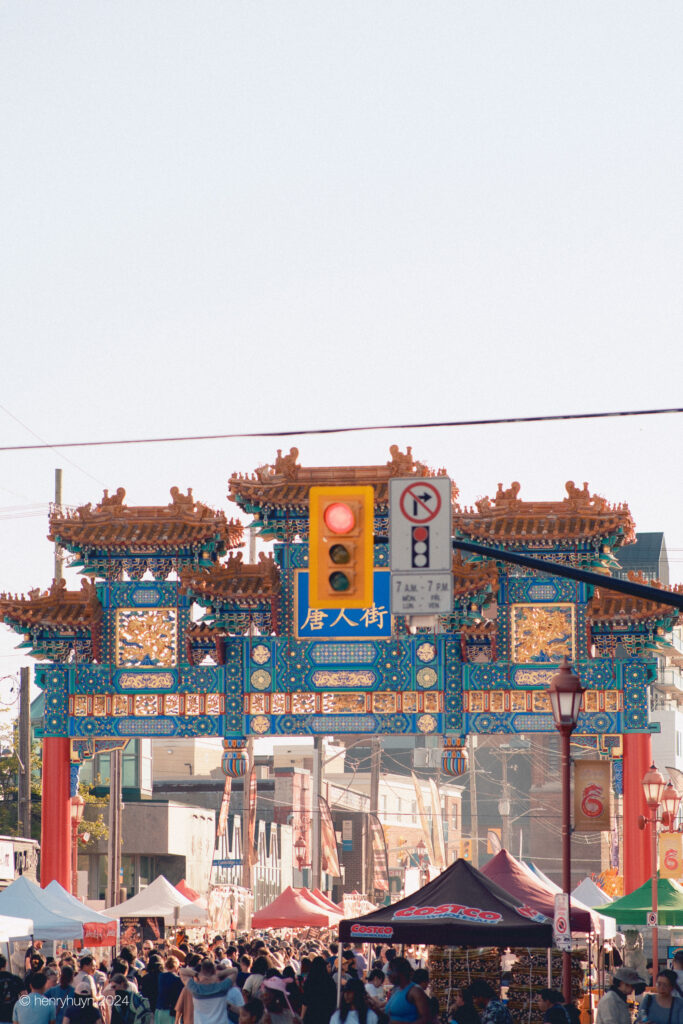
(667, 746)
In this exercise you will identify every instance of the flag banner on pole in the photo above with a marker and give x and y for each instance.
(427, 832)
(328, 840)
(438, 841)
(251, 830)
(380, 860)
(592, 796)
(225, 807)
(670, 855)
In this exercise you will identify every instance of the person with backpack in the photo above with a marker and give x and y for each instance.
(62, 994)
(491, 1009)
(661, 1006)
(10, 987)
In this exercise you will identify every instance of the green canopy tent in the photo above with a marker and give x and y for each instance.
(634, 908)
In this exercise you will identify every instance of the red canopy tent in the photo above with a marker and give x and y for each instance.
(514, 877)
(333, 906)
(319, 901)
(185, 890)
(291, 910)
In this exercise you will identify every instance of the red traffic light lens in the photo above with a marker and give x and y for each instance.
(339, 517)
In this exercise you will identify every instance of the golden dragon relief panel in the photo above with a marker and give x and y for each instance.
(542, 632)
(146, 637)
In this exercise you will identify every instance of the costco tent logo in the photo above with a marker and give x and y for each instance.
(372, 931)
(455, 910)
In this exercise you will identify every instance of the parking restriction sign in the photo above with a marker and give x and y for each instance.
(420, 546)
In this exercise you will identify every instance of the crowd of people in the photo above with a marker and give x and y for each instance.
(283, 981)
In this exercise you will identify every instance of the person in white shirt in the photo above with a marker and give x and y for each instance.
(354, 1008)
(375, 989)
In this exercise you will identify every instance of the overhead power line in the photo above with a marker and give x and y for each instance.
(304, 432)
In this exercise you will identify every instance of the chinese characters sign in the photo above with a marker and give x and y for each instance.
(373, 623)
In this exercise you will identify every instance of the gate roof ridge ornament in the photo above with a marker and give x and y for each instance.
(581, 516)
(134, 528)
(285, 483)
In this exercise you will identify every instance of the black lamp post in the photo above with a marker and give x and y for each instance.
(566, 696)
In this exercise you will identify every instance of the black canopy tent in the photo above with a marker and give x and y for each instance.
(461, 907)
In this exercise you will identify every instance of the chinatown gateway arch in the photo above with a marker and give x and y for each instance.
(121, 657)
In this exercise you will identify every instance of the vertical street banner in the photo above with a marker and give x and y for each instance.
(426, 831)
(328, 840)
(439, 842)
(670, 855)
(225, 807)
(592, 796)
(251, 830)
(380, 861)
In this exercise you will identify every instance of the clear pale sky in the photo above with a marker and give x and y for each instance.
(223, 216)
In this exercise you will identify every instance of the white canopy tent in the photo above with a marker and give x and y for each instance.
(160, 899)
(590, 894)
(15, 928)
(194, 916)
(57, 899)
(24, 897)
(609, 925)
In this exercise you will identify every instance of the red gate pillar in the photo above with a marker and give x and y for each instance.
(637, 856)
(55, 836)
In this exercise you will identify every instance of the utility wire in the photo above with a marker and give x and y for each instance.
(343, 430)
(44, 445)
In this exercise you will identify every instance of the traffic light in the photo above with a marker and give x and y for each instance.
(340, 548)
(466, 849)
(419, 547)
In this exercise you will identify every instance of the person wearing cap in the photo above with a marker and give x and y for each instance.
(278, 1009)
(613, 1008)
(84, 1009)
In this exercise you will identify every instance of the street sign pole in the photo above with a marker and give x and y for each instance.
(420, 546)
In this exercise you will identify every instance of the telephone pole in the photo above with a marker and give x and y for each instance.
(375, 762)
(115, 837)
(59, 551)
(316, 853)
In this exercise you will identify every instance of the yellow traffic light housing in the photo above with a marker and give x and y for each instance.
(340, 547)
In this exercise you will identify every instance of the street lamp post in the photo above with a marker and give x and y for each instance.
(77, 806)
(300, 852)
(656, 793)
(566, 695)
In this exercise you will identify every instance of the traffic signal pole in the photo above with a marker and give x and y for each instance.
(594, 579)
